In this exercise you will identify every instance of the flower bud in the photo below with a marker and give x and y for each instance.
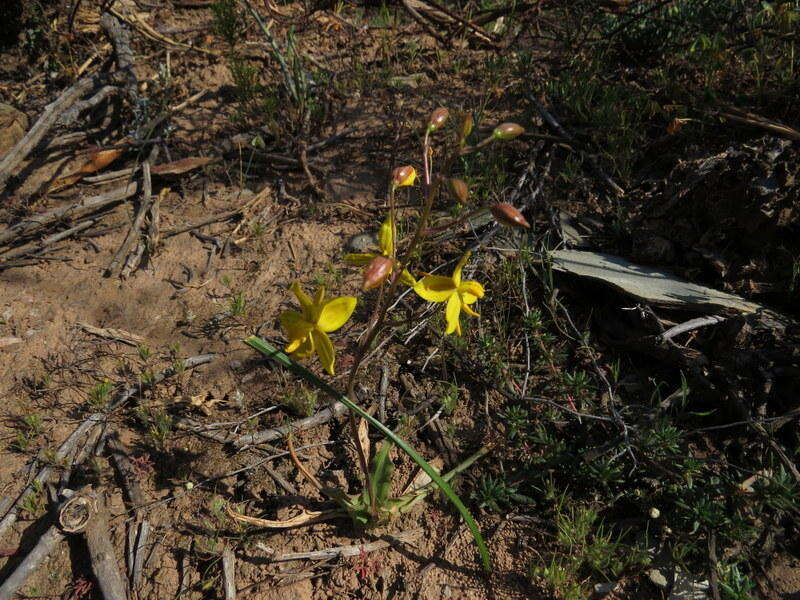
(438, 119)
(509, 216)
(459, 190)
(376, 272)
(404, 176)
(465, 128)
(507, 131)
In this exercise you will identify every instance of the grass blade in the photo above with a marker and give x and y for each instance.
(273, 353)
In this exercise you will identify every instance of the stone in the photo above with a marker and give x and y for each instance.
(13, 125)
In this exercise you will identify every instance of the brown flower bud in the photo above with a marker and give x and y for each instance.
(507, 131)
(438, 119)
(376, 272)
(465, 127)
(458, 189)
(404, 176)
(509, 216)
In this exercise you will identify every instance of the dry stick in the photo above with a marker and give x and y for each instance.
(233, 473)
(135, 230)
(229, 573)
(34, 247)
(213, 219)
(86, 206)
(404, 537)
(268, 435)
(135, 258)
(49, 118)
(153, 229)
(138, 532)
(44, 547)
(288, 487)
(300, 467)
(478, 31)
(102, 555)
(76, 109)
(422, 21)
(551, 121)
(137, 550)
(690, 325)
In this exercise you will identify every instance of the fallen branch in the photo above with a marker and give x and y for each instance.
(117, 335)
(34, 248)
(261, 437)
(51, 115)
(690, 325)
(33, 224)
(753, 120)
(404, 537)
(229, 573)
(87, 514)
(135, 231)
(306, 517)
(44, 547)
(44, 474)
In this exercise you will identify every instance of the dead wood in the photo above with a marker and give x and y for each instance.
(268, 435)
(117, 335)
(403, 537)
(121, 460)
(116, 266)
(102, 554)
(51, 115)
(753, 120)
(35, 223)
(229, 573)
(34, 248)
(44, 547)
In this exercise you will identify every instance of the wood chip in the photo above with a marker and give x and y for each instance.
(108, 333)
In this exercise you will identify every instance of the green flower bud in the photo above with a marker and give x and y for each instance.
(507, 131)
(438, 119)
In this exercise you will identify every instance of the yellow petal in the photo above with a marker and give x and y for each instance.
(470, 291)
(324, 348)
(358, 260)
(407, 278)
(334, 313)
(460, 267)
(386, 236)
(452, 313)
(304, 300)
(465, 307)
(306, 348)
(435, 288)
(296, 327)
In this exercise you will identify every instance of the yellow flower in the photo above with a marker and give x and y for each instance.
(457, 293)
(386, 244)
(308, 330)
(403, 176)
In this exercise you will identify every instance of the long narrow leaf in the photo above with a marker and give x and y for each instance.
(273, 353)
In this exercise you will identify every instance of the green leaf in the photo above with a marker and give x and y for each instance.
(279, 357)
(382, 469)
